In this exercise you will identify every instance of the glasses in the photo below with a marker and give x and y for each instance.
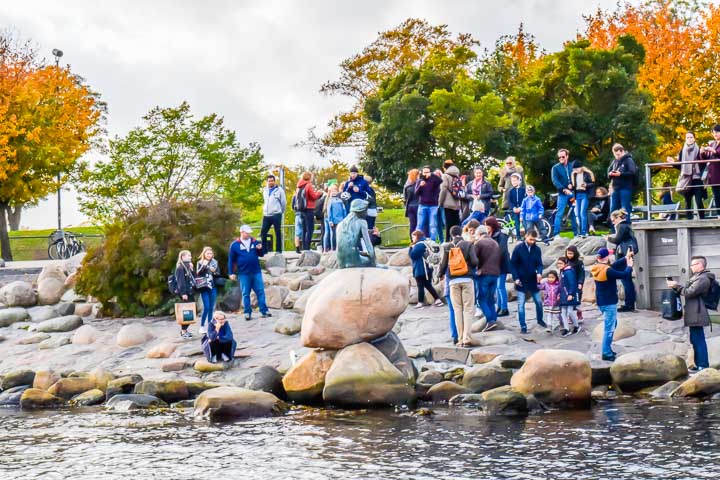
(561, 156)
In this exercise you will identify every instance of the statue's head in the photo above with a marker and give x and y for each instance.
(359, 207)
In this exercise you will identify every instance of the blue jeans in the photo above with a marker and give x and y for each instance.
(298, 225)
(610, 314)
(329, 240)
(697, 339)
(502, 299)
(563, 201)
(254, 282)
(581, 208)
(621, 198)
(441, 225)
(521, 295)
(208, 298)
(427, 221)
(485, 286)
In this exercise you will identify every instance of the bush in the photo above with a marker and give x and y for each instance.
(131, 266)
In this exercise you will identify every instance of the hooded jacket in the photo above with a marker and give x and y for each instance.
(531, 209)
(446, 199)
(606, 277)
(695, 313)
(362, 186)
(274, 202)
(551, 293)
(311, 194)
(568, 287)
(627, 168)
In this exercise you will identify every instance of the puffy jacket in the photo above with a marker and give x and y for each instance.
(551, 290)
(606, 277)
(568, 287)
(627, 168)
(243, 261)
(525, 265)
(362, 186)
(695, 313)
(531, 209)
(489, 256)
(310, 193)
(446, 199)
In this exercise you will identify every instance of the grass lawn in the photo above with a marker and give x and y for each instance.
(36, 248)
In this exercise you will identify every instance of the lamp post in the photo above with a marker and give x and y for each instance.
(58, 53)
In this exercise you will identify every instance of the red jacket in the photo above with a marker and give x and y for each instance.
(310, 193)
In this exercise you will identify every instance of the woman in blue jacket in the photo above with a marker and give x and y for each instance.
(421, 270)
(335, 212)
(569, 297)
(219, 343)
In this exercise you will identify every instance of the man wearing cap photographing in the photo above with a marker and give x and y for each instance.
(356, 186)
(244, 265)
(606, 293)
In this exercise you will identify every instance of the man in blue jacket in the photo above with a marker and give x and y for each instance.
(561, 175)
(526, 267)
(356, 186)
(606, 293)
(622, 172)
(244, 258)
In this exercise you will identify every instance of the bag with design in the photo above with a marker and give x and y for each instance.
(457, 190)
(456, 262)
(204, 281)
(185, 313)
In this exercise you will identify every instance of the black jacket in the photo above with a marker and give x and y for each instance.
(185, 280)
(502, 240)
(627, 168)
(624, 238)
(525, 265)
(603, 203)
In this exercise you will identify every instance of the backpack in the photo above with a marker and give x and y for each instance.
(456, 189)
(432, 252)
(632, 166)
(300, 200)
(671, 305)
(712, 296)
(172, 284)
(456, 262)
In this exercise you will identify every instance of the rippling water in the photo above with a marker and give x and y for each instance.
(622, 440)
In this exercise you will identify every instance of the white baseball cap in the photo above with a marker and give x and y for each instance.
(245, 229)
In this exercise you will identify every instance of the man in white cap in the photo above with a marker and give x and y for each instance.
(244, 264)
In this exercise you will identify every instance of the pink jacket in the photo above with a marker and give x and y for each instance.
(552, 290)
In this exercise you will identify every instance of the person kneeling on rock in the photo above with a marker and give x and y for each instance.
(219, 343)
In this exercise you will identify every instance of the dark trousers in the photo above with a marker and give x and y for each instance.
(423, 283)
(716, 198)
(371, 222)
(274, 221)
(412, 217)
(629, 288)
(697, 339)
(308, 217)
(452, 218)
(697, 189)
(218, 348)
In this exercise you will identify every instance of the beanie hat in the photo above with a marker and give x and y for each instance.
(603, 253)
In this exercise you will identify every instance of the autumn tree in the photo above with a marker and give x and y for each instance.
(173, 156)
(48, 119)
(584, 99)
(680, 71)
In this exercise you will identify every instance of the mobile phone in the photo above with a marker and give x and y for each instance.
(669, 279)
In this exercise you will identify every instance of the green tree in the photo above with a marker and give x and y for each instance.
(173, 156)
(584, 99)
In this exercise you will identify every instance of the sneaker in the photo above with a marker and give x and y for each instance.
(575, 330)
(266, 315)
(213, 359)
(202, 330)
(489, 326)
(225, 358)
(186, 334)
(542, 323)
(455, 341)
(523, 330)
(297, 250)
(248, 316)
(578, 329)
(693, 371)
(438, 303)
(419, 305)
(548, 329)
(564, 333)
(478, 312)
(626, 308)
(503, 313)
(609, 358)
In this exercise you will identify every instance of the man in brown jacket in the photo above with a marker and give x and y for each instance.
(449, 199)
(489, 256)
(462, 291)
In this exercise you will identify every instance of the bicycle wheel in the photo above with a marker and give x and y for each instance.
(62, 251)
(548, 227)
(53, 252)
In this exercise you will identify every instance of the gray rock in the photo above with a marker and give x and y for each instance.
(60, 324)
(89, 398)
(33, 339)
(430, 377)
(55, 342)
(391, 346)
(274, 260)
(265, 379)
(17, 378)
(588, 246)
(486, 376)
(309, 258)
(183, 404)
(11, 396)
(275, 295)
(9, 316)
(503, 401)
(444, 391)
(169, 391)
(665, 391)
(288, 324)
(65, 309)
(466, 399)
(232, 300)
(642, 369)
(512, 360)
(42, 313)
(18, 294)
(122, 385)
(555, 250)
(329, 260)
(71, 297)
(133, 401)
(276, 271)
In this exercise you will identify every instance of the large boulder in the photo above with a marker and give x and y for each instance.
(706, 382)
(329, 260)
(362, 375)
(122, 385)
(637, 370)
(203, 366)
(393, 349)
(309, 258)
(556, 377)
(288, 324)
(101, 378)
(169, 391)
(133, 334)
(85, 335)
(52, 271)
(42, 313)
(301, 299)
(401, 258)
(17, 378)
(60, 324)
(489, 339)
(444, 391)
(353, 305)
(55, 341)
(305, 380)
(486, 376)
(274, 260)
(9, 316)
(555, 250)
(265, 379)
(50, 291)
(67, 388)
(18, 294)
(89, 398)
(588, 246)
(11, 397)
(36, 399)
(275, 296)
(33, 339)
(73, 264)
(293, 281)
(503, 401)
(132, 401)
(624, 329)
(44, 379)
(234, 402)
(381, 257)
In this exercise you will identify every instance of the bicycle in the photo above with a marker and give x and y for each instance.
(63, 245)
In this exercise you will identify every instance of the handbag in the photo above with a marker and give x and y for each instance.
(203, 282)
(185, 313)
(671, 305)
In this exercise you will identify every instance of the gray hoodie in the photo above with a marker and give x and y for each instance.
(273, 202)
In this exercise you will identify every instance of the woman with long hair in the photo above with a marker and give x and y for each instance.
(205, 272)
(185, 280)
(411, 198)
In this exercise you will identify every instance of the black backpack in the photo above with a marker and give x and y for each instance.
(300, 200)
(712, 297)
(172, 284)
(671, 305)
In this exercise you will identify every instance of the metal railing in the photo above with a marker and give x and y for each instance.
(710, 211)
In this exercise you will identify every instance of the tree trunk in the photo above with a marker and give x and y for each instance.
(4, 237)
(13, 217)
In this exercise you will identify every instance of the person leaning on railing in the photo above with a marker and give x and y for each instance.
(690, 182)
(712, 152)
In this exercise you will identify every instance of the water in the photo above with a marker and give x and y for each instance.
(622, 440)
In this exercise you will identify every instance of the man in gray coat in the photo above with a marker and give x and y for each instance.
(695, 314)
(274, 204)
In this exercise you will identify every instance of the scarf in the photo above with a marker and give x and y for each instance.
(477, 186)
(690, 153)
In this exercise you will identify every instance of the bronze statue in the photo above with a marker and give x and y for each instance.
(349, 233)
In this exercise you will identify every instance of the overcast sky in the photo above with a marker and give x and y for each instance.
(259, 63)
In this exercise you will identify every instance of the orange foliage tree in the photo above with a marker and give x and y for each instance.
(48, 119)
(680, 70)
